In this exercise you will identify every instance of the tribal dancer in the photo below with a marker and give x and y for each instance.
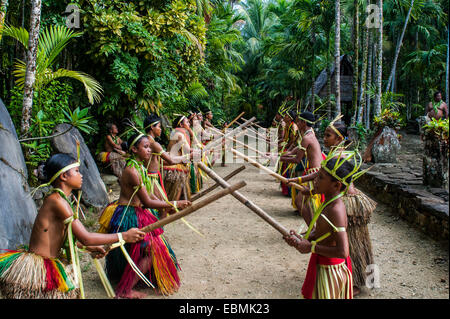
(290, 137)
(50, 267)
(159, 157)
(329, 274)
(309, 148)
(136, 208)
(176, 177)
(113, 153)
(359, 209)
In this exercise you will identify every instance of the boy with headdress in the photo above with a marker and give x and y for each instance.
(308, 147)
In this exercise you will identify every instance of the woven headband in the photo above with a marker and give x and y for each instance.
(182, 118)
(136, 139)
(61, 171)
(151, 124)
(331, 125)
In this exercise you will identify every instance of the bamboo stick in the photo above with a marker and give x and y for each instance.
(245, 201)
(190, 209)
(255, 124)
(245, 145)
(218, 141)
(256, 133)
(226, 178)
(272, 173)
(232, 122)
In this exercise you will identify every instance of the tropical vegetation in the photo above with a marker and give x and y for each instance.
(170, 56)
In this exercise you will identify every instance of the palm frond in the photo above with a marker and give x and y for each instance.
(93, 89)
(20, 34)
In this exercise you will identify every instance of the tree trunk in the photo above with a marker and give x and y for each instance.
(355, 59)
(330, 116)
(3, 9)
(446, 73)
(362, 96)
(30, 75)
(369, 80)
(379, 76)
(337, 58)
(397, 50)
(313, 100)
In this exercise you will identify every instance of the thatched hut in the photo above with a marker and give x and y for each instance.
(346, 70)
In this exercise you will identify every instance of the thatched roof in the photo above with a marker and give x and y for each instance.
(321, 80)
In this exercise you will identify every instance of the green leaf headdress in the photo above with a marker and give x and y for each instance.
(331, 125)
(342, 156)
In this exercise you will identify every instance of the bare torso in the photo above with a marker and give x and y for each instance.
(48, 232)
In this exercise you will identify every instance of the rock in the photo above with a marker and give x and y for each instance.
(386, 146)
(17, 208)
(94, 190)
(109, 179)
(6, 121)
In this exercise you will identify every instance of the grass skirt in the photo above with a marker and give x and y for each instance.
(176, 181)
(359, 208)
(328, 278)
(25, 275)
(163, 265)
(116, 161)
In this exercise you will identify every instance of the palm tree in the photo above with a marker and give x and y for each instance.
(37, 73)
(30, 67)
(337, 56)
(379, 59)
(3, 8)
(356, 54)
(391, 79)
(309, 19)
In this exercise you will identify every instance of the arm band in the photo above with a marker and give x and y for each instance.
(313, 246)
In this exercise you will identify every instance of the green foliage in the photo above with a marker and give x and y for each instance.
(51, 42)
(389, 118)
(51, 107)
(148, 53)
(437, 128)
(361, 134)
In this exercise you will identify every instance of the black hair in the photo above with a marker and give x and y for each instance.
(342, 171)
(149, 120)
(53, 165)
(131, 139)
(342, 128)
(177, 121)
(292, 114)
(309, 117)
(109, 126)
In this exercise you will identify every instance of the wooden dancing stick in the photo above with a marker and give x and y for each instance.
(206, 191)
(256, 133)
(245, 201)
(232, 122)
(190, 209)
(245, 145)
(272, 173)
(255, 124)
(215, 142)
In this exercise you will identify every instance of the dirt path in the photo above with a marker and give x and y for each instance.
(243, 257)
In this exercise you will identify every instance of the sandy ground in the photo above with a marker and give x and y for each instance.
(241, 256)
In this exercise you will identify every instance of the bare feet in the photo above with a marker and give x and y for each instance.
(133, 294)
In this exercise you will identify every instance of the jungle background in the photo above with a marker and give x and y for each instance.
(129, 58)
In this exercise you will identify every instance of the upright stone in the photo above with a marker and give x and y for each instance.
(94, 190)
(17, 208)
(435, 162)
(386, 146)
